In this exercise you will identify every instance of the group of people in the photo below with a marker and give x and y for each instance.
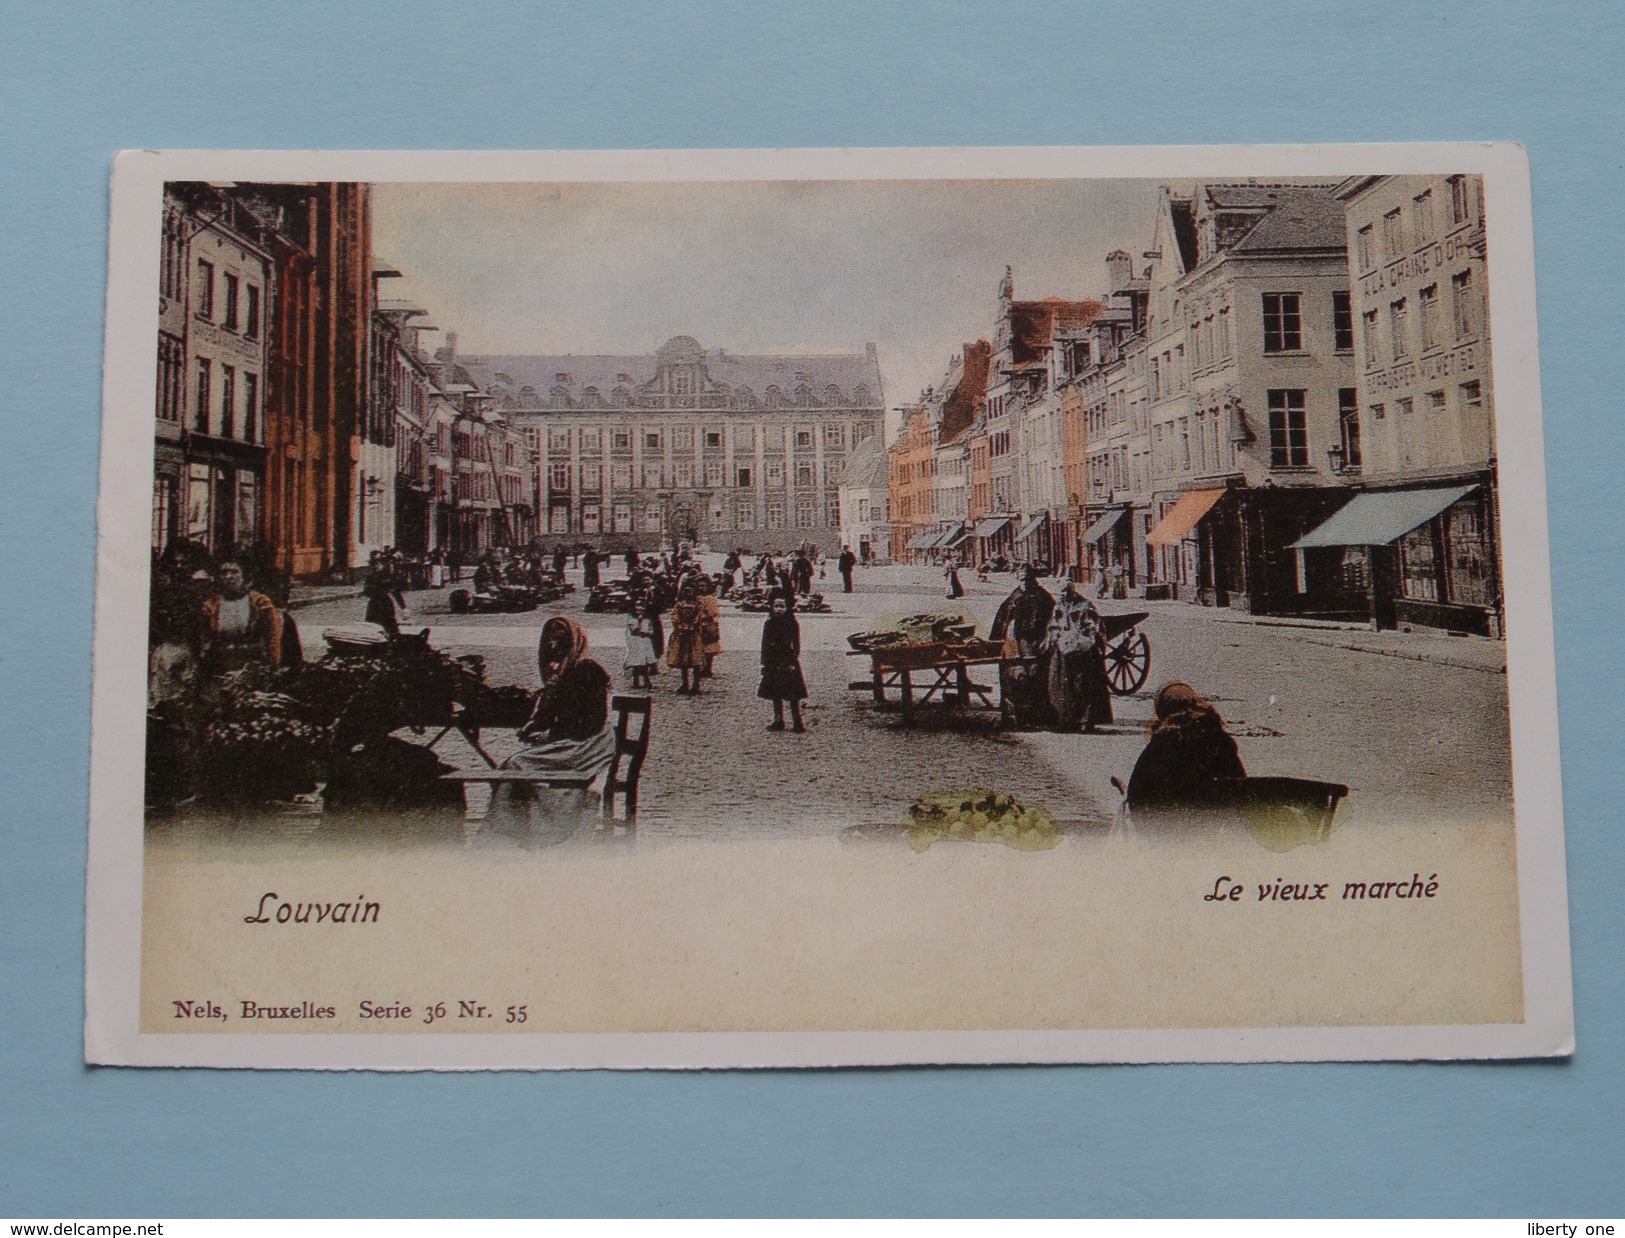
(1058, 677)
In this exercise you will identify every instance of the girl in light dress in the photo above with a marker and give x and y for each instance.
(641, 658)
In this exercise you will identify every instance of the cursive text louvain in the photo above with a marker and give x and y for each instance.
(272, 910)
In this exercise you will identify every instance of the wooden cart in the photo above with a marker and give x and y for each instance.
(935, 670)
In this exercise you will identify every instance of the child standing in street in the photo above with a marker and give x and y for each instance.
(640, 645)
(782, 679)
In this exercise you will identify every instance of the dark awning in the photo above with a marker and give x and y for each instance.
(921, 540)
(1031, 527)
(1380, 516)
(953, 537)
(989, 525)
(1104, 525)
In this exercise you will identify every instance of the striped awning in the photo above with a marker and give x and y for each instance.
(1381, 516)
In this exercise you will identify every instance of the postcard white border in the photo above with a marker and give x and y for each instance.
(114, 885)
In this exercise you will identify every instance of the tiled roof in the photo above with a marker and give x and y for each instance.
(1300, 219)
(1032, 324)
(847, 372)
(868, 464)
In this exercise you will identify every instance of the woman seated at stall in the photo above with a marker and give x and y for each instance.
(1190, 762)
(569, 731)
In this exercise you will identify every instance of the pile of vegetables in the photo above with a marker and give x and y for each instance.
(980, 816)
(952, 628)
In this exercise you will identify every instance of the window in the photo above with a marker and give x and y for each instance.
(592, 440)
(651, 519)
(804, 438)
(1342, 322)
(832, 510)
(713, 472)
(742, 478)
(683, 474)
(201, 414)
(1422, 213)
(171, 363)
(1393, 236)
(1224, 332)
(1365, 250)
(773, 437)
(775, 472)
(622, 440)
(251, 407)
(231, 303)
(1461, 300)
(592, 477)
(205, 289)
(1378, 412)
(775, 513)
(682, 438)
(592, 518)
(745, 515)
(806, 515)
(682, 381)
(620, 476)
(651, 440)
(1368, 327)
(654, 476)
(558, 477)
(623, 517)
(1472, 396)
(713, 440)
(1184, 442)
(1461, 209)
(1348, 424)
(228, 402)
(1283, 322)
(804, 474)
(1436, 402)
(558, 439)
(251, 328)
(1429, 297)
(744, 438)
(835, 436)
(1398, 326)
(1405, 406)
(1289, 432)
(558, 520)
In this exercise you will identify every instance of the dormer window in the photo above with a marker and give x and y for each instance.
(682, 382)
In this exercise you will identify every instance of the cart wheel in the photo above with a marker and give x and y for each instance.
(1128, 662)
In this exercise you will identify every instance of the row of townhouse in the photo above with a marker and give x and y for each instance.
(1287, 409)
(295, 411)
(1304, 425)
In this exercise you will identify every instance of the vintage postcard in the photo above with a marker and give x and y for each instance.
(811, 608)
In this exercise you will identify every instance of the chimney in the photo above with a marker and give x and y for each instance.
(451, 346)
(871, 353)
(1119, 270)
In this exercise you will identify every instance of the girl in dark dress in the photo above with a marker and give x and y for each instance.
(1190, 761)
(782, 679)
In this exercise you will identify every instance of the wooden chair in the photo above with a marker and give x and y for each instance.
(625, 767)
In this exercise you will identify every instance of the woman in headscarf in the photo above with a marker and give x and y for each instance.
(569, 729)
(1075, 648)
(685, 650)
(1190, 761)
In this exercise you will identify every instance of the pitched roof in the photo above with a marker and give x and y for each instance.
(1032, 324)
(1299, 219)
(576, 372)
(868, 465)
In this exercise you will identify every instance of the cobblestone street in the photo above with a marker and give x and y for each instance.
(1414, 723)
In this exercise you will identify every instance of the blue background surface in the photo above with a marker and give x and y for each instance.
(81, 81)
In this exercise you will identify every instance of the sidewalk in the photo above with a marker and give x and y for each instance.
(1473, 653)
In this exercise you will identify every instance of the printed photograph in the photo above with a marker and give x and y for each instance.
(824, 606)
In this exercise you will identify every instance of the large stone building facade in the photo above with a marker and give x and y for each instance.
(689, 444)
(1421, 536)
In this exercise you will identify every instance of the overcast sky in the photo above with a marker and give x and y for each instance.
(752, 267)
